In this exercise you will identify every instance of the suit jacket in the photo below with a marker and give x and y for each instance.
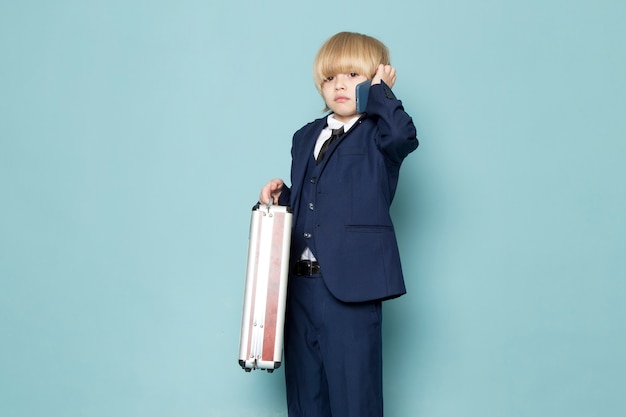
(354, 235)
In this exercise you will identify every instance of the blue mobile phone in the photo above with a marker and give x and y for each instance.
(362, 92)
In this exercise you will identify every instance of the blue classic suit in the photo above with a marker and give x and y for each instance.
(333, 347)
(353, 233)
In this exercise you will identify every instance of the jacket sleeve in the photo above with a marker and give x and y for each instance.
(397, 135)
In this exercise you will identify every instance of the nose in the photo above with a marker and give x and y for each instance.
(339, 82)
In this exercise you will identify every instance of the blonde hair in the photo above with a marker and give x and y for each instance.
(349, 52)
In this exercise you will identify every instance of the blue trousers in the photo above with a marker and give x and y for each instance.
(333, 353)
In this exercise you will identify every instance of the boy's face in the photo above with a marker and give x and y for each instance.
(339, 93)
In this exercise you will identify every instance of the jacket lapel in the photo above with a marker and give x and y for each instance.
(303, 150)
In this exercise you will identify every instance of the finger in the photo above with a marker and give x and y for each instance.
(276, 185)
(380, 74)
(383, 70)
(264, 196)
(391, 75)
(266, 192)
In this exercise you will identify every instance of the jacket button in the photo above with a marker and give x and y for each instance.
(311, 206)
(307, 235)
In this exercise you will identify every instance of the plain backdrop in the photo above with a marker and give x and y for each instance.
(134, 139)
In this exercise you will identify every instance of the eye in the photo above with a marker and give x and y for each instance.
(353, 74)
(330, 78)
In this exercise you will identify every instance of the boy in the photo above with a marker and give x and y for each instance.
(344, 255)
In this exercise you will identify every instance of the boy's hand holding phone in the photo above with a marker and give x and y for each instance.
(385, 73)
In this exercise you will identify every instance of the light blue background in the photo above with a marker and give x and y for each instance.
(135, 136)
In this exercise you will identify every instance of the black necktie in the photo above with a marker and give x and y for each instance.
(336, 133)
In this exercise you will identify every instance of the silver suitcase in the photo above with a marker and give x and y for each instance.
(261, 341)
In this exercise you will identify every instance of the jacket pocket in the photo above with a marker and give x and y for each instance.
(367, 228)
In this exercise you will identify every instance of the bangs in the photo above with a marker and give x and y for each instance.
(343, 62)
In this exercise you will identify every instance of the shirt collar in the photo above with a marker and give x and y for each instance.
(336, 124)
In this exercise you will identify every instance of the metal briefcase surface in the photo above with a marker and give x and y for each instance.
(261, 342)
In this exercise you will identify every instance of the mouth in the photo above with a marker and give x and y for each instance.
(341, 99)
